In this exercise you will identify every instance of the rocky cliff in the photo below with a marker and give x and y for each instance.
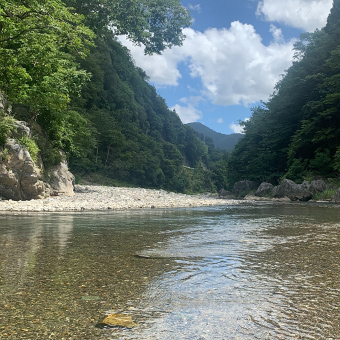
(21, 177)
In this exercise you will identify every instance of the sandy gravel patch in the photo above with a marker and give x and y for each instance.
(88, 197)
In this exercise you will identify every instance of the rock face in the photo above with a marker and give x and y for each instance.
(336, 197)
(243, 188)
(317, 186)
(295, 192)
(264, 189)
(61, 181)
(20, 178)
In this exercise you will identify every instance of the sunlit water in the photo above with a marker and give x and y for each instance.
(261, 271)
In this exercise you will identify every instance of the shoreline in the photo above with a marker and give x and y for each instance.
(101, 198)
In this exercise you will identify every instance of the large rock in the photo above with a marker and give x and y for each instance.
(265, 189)
(20, 178)
(336, 197)
(243, 187)
(61, 180)
(317, 186)
(225, 194)
(295, 192)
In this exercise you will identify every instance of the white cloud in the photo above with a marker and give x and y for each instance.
(162, 69)
(196, 8)
(188, 114)
(236, 128)
(305, 14)
(232, 65)
(277, 33)
(220, 120)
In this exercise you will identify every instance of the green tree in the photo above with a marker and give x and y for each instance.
(157, 24)
(38, 41)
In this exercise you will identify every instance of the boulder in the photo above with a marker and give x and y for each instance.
(317, 186)
(295, 192)
(20, 178)
(243, 187)
(336, 197)
(225, 194)
(265, 189)
(61, 180)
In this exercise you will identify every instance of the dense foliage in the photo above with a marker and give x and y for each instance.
(296, 134)
(83, 95)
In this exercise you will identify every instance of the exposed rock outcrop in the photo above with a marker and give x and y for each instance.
(225, 194)
(336, 197)
(317, 186)
(265, 189)
(61, 180)
(20, 178)
(243, 187)
(23, 179)
(295, 192)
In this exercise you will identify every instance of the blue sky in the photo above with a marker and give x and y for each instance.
(234, 53)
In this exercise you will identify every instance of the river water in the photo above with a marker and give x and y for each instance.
(243, 271)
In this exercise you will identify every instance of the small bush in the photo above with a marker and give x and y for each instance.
(6, 126)
(324, 195)
(31, 147)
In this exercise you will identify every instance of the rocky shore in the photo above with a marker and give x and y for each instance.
(87, 198)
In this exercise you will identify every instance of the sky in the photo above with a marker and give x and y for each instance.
(234, 53)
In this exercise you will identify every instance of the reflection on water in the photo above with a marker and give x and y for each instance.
(258, 271)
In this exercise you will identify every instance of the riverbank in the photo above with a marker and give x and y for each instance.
(88, 197)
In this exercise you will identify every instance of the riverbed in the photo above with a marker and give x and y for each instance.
(238, 271)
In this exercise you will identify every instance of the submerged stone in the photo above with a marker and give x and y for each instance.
(118, 320)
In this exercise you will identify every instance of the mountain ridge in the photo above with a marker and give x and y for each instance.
(220, 140)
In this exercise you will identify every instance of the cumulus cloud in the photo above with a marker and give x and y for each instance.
(188, 114)
(305, 14)
(236, 128)
(162, 69)
(196, 8)
(232, 65)
(277, 33)
(220, 120)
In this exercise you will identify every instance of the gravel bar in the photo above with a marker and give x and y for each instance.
(90, 197)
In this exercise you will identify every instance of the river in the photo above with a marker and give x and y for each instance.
(242, 271)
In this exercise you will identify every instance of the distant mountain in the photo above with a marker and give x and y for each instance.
(221, 141)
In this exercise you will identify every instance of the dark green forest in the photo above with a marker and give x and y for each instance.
(296, 134)
(66, 74)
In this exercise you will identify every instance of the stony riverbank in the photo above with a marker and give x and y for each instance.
(88, 198)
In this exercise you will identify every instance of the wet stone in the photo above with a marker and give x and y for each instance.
(117, 320)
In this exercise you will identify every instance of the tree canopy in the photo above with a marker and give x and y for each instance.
(38, 44)
(157, 24)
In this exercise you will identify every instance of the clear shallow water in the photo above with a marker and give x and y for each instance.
(260, 271)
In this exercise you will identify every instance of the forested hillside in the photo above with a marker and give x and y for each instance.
(220, 140)
(67, 76)
(296, 134)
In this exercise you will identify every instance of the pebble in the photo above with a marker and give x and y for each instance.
(90, 198)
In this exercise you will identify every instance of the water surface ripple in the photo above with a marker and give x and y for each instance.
(247, 271)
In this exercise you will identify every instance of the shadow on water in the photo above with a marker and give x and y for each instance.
(248, 271)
